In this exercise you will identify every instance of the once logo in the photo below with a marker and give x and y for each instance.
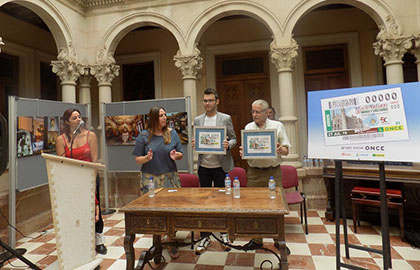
(375, 148)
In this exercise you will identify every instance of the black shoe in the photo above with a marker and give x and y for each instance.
(101, 249)
(276, 244)
(252, 245)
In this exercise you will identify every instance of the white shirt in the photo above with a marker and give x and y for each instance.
(209, 160)
(281, 138)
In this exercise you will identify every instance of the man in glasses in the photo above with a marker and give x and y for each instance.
(260, 170)
(212, 169)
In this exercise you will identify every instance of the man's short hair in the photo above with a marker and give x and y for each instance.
(262, 102)
(211, 91)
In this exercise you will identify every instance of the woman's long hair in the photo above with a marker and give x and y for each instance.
(153, 125)
(66, 116)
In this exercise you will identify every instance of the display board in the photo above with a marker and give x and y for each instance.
(376, 123)
(33, 126)
(122, 121)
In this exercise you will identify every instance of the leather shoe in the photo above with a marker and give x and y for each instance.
(101, 249)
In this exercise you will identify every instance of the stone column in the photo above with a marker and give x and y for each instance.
(284, 58)
(84, 89)
(392, 49)
(189, 66)
(67, 69)
(84, 84)
(105, 71)
(416, 52)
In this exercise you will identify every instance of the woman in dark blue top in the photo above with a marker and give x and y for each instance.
(156, 149)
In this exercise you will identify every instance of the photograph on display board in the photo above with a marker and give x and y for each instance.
(123, 129)
(51, 140)
(53, 123)
(179, 122)
(24, 130)
(38, 135)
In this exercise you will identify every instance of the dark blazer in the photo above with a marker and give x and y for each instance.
(222, 119)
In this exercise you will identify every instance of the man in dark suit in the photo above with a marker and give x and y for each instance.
(213, 168)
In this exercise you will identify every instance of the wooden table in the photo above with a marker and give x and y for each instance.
(206, 210)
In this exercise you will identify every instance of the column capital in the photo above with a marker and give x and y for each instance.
(416, 48)
(391, 47)
(66, 66)
(85, 80)
(105, 70)
(284, 57)
(1, 43)
(189, 64)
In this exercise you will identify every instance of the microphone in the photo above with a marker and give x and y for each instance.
(78, 127)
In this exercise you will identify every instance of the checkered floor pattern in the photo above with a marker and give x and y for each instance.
(313, 251)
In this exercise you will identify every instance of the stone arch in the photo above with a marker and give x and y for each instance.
(55, 21)
(376, 9)
(119, 29)
(222, 9)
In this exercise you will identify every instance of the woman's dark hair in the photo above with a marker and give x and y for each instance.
(153, 125)
(66, 116)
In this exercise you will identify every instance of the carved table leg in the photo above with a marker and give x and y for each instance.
(157, 243)
(129, 250)
(283, 255)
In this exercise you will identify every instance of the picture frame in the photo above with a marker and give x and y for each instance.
(259, 144)
(209, 140)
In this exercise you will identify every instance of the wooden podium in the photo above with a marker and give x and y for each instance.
(72, 192)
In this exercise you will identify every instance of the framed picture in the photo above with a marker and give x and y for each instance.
(259, 144)
(209, 140)
(123, 129)
(53, 123)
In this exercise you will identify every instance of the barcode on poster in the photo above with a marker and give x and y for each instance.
(363, 137)
(344, 103)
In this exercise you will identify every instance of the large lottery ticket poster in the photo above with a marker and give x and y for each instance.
(377, 123)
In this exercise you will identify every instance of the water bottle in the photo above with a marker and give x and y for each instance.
(310, 163)
(228, 187)
(236, 188)
(151, 187)
(272, 188)
(305, 161)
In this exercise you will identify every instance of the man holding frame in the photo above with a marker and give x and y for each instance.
(260, 170)
(212, 168)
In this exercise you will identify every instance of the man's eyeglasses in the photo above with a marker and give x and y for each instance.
(208, 100)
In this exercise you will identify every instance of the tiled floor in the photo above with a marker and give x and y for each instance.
(313, 251)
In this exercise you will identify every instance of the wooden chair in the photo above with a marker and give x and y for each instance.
(371, 196)
(189, 180)
(289, 179)
(240, 173)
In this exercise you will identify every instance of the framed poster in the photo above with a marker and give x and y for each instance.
(374, 123)
(259, 144)
(209, 140)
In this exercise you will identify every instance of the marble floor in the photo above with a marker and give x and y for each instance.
(313, 251)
